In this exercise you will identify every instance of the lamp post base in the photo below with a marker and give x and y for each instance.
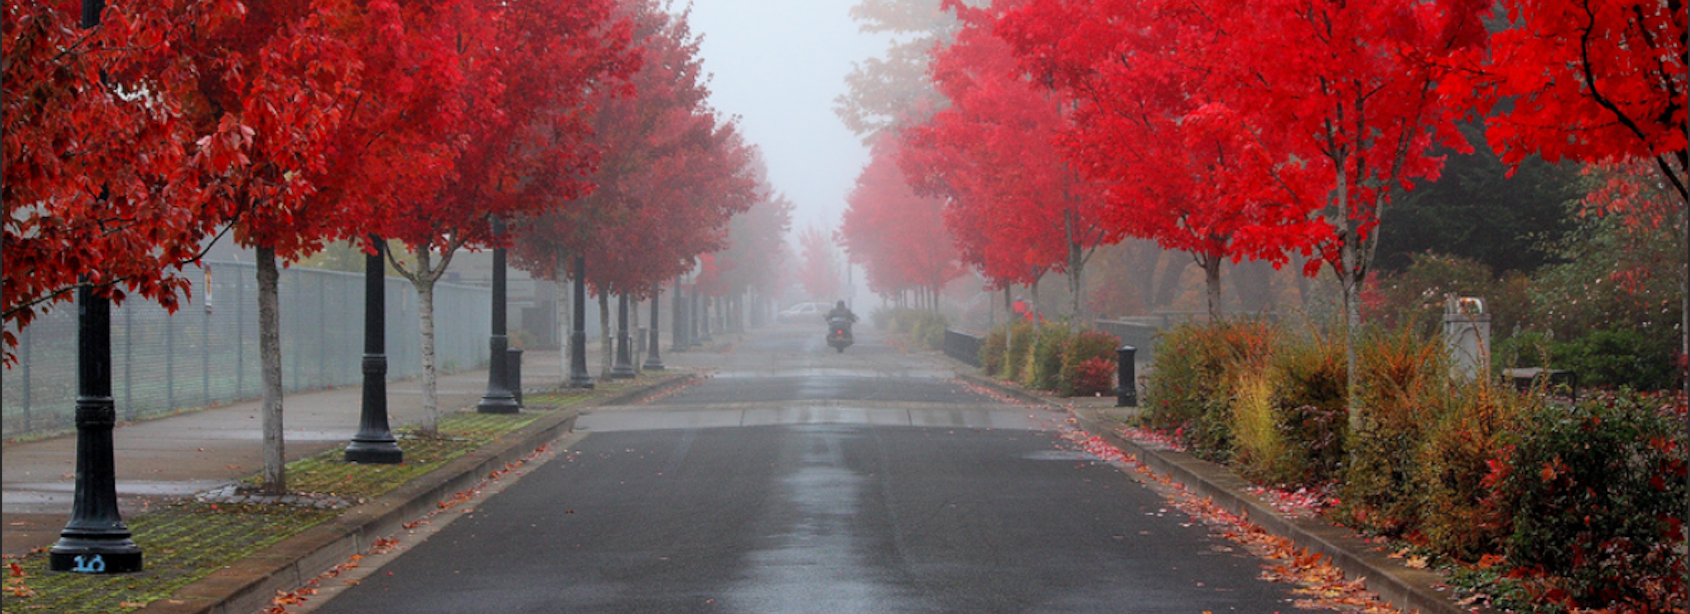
(374, 451)
(96, 555)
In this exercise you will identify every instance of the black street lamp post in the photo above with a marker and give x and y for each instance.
(374, 442)
(578, 376)
(624, 368)
(653, 362)
(95, 540)
(498, 399)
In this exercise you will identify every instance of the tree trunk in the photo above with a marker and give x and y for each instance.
(1076, 271)
(1212, 283)
(563, 324)
(636, 349)
(270, 356)
(425, 321)
(1347, 257)
(560, 281)
(607, 351)
(1033, 291)
(423, 275)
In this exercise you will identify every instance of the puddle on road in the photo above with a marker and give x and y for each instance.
(773, 414)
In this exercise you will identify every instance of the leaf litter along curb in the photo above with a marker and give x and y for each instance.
(1321, 585)
(286, 602)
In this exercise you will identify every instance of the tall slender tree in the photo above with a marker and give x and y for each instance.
(272, 93)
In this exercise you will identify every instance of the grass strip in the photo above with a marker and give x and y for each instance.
(187, 540)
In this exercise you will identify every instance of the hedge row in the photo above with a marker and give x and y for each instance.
(1554, 505)
(926, 328)
(1050, 356)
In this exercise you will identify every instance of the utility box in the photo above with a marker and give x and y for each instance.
(1467, 336)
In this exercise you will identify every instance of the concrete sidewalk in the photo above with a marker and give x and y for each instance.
(192, 452)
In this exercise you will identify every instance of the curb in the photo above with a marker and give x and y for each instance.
(248, 585)
(1406, 588)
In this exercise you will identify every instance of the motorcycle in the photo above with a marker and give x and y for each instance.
(839, 333)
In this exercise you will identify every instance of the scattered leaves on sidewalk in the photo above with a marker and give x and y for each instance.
(1304, 503)
(1153, 439)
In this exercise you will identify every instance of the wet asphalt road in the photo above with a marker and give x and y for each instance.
(800, 480)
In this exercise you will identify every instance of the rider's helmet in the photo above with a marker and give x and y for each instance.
(841, 305)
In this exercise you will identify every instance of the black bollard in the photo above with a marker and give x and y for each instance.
(1126, 393)
(374, 441)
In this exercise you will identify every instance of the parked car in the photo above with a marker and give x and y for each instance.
(804, 312)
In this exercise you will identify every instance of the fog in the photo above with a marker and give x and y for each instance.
(778, 65)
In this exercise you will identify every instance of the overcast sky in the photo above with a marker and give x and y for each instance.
(778, 65)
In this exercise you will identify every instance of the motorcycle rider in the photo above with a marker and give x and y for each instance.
(841, 311)
(839, 326)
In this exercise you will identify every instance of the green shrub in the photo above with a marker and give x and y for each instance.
(1020, 348)
(992, 350)
(1620, 357)
(1595, 494)
(1308, 399)
(1404, 379)
(1189, 391)
(1450, 466)
(1084, 347)
(1260, 451)
(928, 330)
(1045, 363)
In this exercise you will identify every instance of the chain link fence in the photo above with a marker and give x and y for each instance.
(206, 354)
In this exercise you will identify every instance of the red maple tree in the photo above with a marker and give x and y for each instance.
(669, 174)
(79, 204)
(507, 114)
(898, 237)
(1597, 81)
(1191, 174)
(1018, 207)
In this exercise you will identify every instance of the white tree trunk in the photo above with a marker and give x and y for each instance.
(636, 350)
(270, 356)
(607, 349)
(423, 276)
(560, 282)
(424, 283)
